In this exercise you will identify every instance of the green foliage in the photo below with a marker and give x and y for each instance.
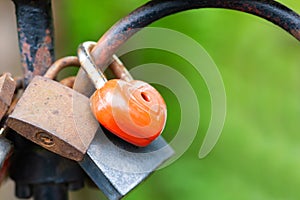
(257, 156)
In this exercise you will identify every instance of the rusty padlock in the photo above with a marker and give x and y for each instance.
(6, 150)
(7, 89)
(133, 110)
(115, 166)
(45, 115)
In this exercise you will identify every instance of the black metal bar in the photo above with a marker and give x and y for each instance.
(157, 9)
(36, 36)
(51, 191)
(36, 171)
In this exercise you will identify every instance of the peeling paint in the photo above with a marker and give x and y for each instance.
(35, 30)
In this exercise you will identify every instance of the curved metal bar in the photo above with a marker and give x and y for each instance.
(60, 64)
(157, 9)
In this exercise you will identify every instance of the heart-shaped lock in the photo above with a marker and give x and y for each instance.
(132, 110)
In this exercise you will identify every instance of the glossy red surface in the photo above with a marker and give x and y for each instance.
(134, 111)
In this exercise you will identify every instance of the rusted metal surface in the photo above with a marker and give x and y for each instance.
(35, 30)
(32, 165)
(69, 81)
(60, 64)
(108, 44)
(7, 90)
(119, 69)
(86, 87)
(155, 10)
(95, 75)
(116, 66)
(19, 81)
(13, 104)
(59, 119)
(152, 11)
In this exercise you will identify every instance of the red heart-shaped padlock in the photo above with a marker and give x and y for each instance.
(134, 110)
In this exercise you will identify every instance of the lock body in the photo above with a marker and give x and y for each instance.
(7, 89)
(134, 111)
(117, 167)
(54, 117)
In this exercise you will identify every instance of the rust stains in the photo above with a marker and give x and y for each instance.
(39, 63)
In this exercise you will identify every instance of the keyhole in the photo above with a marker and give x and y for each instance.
(45, 139)
(145, 96)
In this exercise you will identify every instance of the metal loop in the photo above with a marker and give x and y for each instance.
(119, 69)
(60, 64)
(96, 76)
(152, 11)
(69, 81)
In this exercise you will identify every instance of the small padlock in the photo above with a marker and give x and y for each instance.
(133, 110)
(45, 115)
(6, 150)
(115, 166)
(7, 89)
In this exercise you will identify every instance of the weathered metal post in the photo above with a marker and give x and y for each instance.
(37, 172)
(36, 36)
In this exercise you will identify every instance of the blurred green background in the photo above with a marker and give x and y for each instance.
(258, 153)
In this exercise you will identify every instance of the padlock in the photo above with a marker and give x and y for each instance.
(115, 166)
(6, 150)
(133, 110)
(7, 89)
(45, 115)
